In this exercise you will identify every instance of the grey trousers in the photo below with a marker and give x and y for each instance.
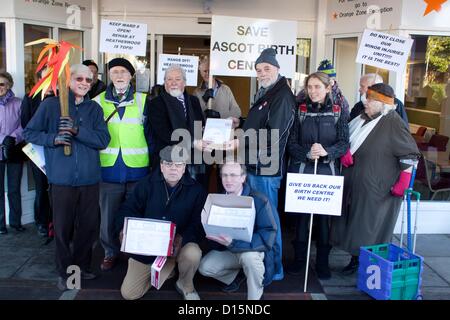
(225, 265)
(111, 197)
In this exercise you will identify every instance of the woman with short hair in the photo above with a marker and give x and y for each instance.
(11, 158)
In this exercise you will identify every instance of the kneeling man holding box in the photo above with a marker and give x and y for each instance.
(255, 255)
(171, 195)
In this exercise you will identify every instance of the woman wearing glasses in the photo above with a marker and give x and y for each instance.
(74, 179)
(10, 160)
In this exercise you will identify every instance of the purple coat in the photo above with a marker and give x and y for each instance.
(10, 118)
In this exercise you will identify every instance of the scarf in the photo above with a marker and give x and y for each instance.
(359, 131)
(5, 99)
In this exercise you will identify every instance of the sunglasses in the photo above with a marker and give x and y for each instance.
(80, 79)
(2, 84)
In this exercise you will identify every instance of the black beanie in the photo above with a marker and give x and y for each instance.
(89, 62)
(268, 56)
(121, 62)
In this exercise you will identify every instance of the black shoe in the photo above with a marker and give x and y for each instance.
(18, 228)
(86, 275)
(323, 272)
(352, 267)
(236, 284)
(296, 268)
(61, 284)
(4, 231)
(42, 230)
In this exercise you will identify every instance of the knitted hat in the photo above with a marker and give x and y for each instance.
(121, 62)
(381, 92)
(327, 67)
(174, 153)
(90, 62)
(268, 56)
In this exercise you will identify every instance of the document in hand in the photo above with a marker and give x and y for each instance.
(36, 154)
(161, 269)
(148, 237)
(218, 131)
(229, 215)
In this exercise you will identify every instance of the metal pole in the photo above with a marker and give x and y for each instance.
(309, 239)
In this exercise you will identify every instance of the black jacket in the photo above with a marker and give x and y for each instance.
(98, 88)
(166, 114)
(183, 207)
(274, 110)
(318, 127)
(358, 108)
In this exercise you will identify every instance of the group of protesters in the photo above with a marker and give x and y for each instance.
(132, 155)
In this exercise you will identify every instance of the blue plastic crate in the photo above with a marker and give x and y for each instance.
(388, 272)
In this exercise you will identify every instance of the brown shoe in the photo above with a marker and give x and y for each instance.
(108, 263)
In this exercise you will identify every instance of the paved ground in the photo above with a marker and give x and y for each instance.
(27, 272)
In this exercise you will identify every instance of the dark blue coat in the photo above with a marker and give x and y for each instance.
(264, 234)
(82, 167)
(183, 207)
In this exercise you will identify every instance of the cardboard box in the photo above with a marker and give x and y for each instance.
(161, 269)
(229, 215)
(148, 237)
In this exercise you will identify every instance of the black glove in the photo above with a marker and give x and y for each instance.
(63, 138)
(67, 124)
(209, 93)
(9, 141)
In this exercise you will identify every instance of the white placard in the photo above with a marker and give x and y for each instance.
(36, 154)
(218, 131)
(188, 63)
(316, 194)
(237, 42)
(148, 237)
(123, 37)
(384, 50)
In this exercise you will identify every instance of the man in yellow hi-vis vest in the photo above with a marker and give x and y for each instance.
(126, 159)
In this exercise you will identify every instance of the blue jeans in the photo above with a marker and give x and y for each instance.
(270, 187)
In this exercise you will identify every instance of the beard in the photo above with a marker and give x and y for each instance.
(175, 93)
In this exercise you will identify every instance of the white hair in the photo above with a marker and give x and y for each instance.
(80, 69)
(175, 67)
(372, 78)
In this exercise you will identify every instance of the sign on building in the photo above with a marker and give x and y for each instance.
(188, 63)
(237, 42)
(315, 194)
(384, 50)
(123, 37)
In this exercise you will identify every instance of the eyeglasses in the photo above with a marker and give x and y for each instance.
(80, 79)
(177, 165)
(232, 175)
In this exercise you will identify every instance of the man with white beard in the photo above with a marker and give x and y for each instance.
(176, 109)
(126, 159)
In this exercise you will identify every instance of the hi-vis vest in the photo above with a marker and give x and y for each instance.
(127, 134)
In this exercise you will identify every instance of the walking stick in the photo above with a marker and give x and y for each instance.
(309, 239)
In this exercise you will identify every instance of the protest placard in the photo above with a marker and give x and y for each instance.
(384, 50)
(123, 37)
(188, 63)
(237, 42)
(316, 194)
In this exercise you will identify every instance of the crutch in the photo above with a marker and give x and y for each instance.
(309, 238)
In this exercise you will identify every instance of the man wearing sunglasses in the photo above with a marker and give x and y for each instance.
(74, 179)
(169, 193)
(234, 261)
(126, 159)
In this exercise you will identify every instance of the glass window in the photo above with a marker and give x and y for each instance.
(32, 33)
(427, 88)
(74, 37)
(2, 46)
(302, 63)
